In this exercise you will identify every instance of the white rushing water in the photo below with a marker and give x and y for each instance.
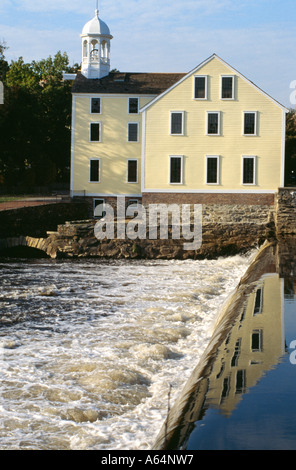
(90, 349)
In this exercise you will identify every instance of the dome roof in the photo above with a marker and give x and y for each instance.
(96, 26)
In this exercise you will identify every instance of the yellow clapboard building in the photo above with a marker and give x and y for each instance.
(207, 136)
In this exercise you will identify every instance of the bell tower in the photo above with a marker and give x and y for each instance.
(96, 40)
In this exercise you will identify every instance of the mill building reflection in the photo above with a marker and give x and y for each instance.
(249, 341)
(253, 346)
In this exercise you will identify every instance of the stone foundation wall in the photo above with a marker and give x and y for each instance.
(36, 221)
(217, 208)
(285, 214)
(77, 239)
(209, 198)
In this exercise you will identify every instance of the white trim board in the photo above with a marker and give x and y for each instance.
(113, 95)
(102, 195)
(212, 191)
(72, 145)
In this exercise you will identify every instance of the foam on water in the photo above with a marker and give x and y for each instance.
(91, 349)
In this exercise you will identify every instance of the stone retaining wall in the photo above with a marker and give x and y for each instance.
(285, 213)
(36, 221)
(226, 229)
(260, 199)
(77, 239)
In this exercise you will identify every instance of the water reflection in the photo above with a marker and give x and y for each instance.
(241, 395)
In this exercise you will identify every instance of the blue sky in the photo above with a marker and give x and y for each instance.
(257, 37)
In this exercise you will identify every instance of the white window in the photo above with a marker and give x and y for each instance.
(95, 105)
(213, 122)
(132, 171)
(240, 384)
(258, 304)
(257, 340)
(176, 169)
(212, 169)
(227, 87)
(133, 105)
(133, 203)
(250, 123)
(95, 132)
(200, 87)
(133, 132)
(94, 170)
(177, 122)
(249, 169)
(99, 208)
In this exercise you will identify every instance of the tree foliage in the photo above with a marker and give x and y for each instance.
(290, 166)
(3, 63)
(35, 124)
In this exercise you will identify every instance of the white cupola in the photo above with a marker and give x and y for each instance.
(96, 39)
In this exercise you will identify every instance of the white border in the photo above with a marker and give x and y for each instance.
(219, 123)
(100, 132)
(254, 158)
(233, 85)
(113, 95)
(282, 182)
(255, 124)
(181, 176)
(89, 170)
(90, 105)
(132, 141)
(217, 157)
(143, 150)
(206, 87)
(72, 145)
(105, 195)
(183, 117)
(128, 105)
(212, 191)
(132, 160)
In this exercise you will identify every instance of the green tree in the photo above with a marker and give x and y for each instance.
(4, 67)
(35, 123)
(290, 151)
(21, 75)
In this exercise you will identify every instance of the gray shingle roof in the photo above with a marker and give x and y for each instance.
(128, 83)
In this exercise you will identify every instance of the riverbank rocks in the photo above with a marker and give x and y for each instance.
(77, 239)
(225, 230)
(286, 212)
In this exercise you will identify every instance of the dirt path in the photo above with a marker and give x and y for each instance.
(5, 206)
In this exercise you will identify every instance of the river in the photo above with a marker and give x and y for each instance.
(94, 352)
